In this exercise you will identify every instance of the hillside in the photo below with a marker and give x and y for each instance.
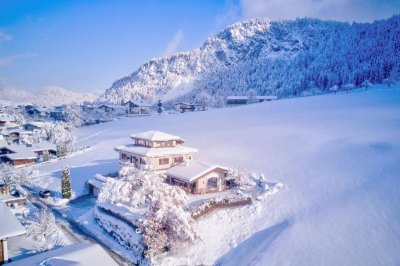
(336, 154)
(284, 58)
(47, 97)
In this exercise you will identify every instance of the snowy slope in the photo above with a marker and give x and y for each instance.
(338, 155)
(282, 58)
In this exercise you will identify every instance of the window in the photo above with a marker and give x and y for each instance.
(164, 161)
(178, 159)
(212, 182)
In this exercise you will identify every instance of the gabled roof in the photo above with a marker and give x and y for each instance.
(156, 152)
(155, 136)
(191, 170)
(23, 152)
(75, 254)
(138, 103)
(9, 224)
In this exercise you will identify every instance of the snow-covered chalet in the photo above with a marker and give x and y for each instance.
(164, 153)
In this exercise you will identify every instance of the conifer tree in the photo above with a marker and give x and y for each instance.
(66, 182)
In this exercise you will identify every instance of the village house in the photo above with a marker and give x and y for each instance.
(21, 154)
(15, 135)
(164, 153)
(242, 100)
(107, 108)
(31, 126)
(7, 121)
(183, 107)
(9, 227)
(137, 108)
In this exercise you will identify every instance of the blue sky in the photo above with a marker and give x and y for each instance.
(86, 45)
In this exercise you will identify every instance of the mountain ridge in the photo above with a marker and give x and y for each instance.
(285, 58)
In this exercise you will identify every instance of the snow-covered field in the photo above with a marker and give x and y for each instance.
(338, 155)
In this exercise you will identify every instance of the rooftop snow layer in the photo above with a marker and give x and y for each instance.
(155, 136)
(24, 152)
(191, 170)
(154, 152)
(76, 254)
(9, 224)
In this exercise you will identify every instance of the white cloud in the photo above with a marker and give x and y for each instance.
(4, 37)
(173, 45)
(342, 10)
(5, 61)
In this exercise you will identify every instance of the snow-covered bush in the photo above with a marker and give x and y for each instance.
(238, 177)
(74, 116)
(45, 232)
(164, 222)
(66, 182)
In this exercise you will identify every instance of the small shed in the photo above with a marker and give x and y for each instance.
(95, 184)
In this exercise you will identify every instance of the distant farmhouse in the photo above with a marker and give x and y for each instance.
(137, 108)
(164, 153)
(242, 100)
(183, 107)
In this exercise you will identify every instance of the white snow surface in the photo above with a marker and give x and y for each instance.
(338, 156)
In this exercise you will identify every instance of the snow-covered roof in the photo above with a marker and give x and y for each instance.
(24, 152)
(191, 170)
(138, 103)
(155, 136)
(76, 254)
(9, 224)
(37, 124)
(155, 152)
(98, 181)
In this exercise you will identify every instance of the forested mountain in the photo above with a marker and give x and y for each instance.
(283, 58)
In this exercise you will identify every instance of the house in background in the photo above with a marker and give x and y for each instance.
(183, 107)
(164, 153)
(107, 108)
(9, 227)
(137, 108)
(242, 100)
(7, 121)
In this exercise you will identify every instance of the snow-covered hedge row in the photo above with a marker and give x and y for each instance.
(124, 234)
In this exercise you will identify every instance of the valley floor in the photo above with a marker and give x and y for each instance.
(338, 156)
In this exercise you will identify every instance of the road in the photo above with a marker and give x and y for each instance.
(73, 230)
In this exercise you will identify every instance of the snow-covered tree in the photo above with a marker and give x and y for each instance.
(160, 108)
(73, 115)
(366, 84)
(9, 175)
(64, 137)
(204, 100)
(238, 177)
(45, 232)
(66, 182)
(334, 88)
(165, 223)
